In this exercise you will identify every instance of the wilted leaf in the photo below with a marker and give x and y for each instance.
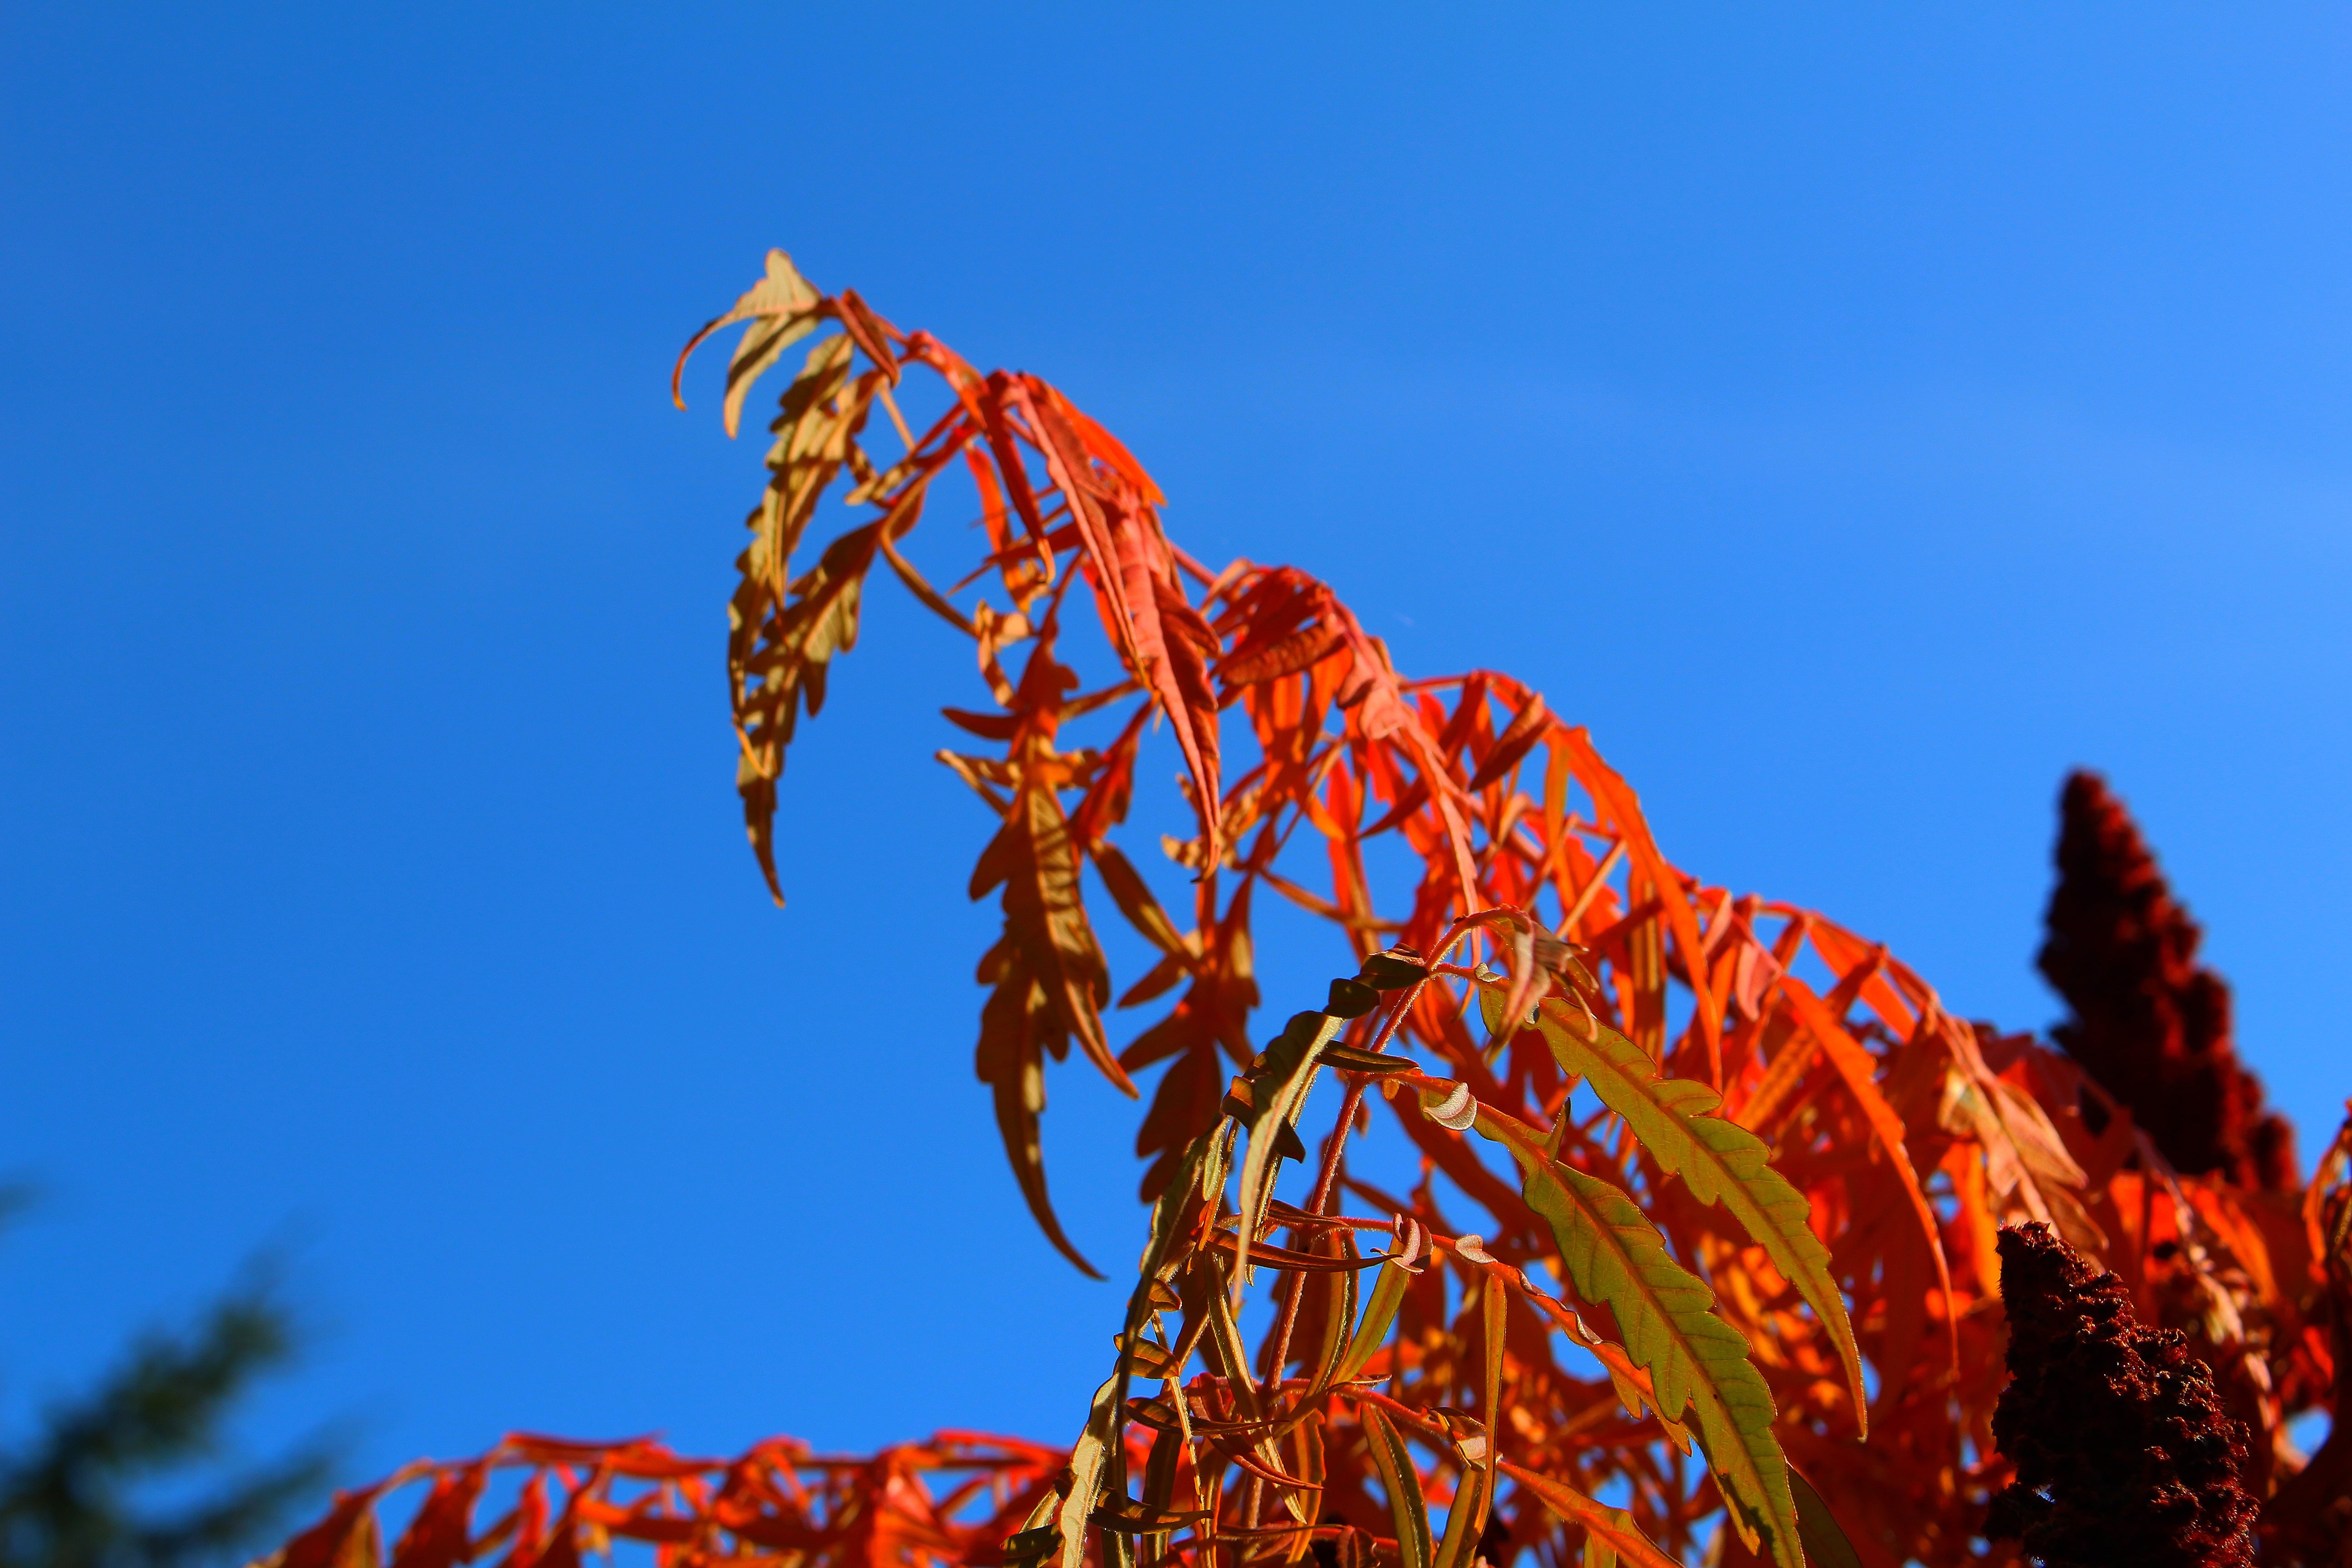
(785, 309)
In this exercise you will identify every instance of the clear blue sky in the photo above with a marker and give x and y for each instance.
(1857, 419)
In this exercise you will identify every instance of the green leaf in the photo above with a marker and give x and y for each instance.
(1103, 1442)
(1495, 1310)
(1087, 1457)
(1403, 1483)
(1615, 1255)
(1160, 1488)
(1462, 1521)
(1280, 1087)
(1826, 1545)
(1217, 1163)
(1138, 1519)
(1379, 1313)
(1026, 1546)
(1228, 1356)
(1719, 1160)
(1339, 1298)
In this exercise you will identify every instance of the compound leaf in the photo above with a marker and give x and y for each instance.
(1695, 1360)
(1721, 1160)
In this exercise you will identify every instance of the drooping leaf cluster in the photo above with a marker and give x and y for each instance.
(1710, 1187)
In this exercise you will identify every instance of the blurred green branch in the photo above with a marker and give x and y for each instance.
(71, 1495)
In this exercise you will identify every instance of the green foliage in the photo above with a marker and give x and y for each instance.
(71, 1496)
(1720, 1161)
(1614, 1255)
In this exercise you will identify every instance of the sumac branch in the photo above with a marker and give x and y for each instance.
(1746, 1288)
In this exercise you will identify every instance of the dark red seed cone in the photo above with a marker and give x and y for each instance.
(2149, 1025)
(2123, 1457)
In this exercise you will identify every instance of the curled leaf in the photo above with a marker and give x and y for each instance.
(1455, 1108)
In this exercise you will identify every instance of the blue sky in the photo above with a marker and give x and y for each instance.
(1857, 418)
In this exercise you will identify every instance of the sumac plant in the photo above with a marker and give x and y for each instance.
(1738, 1297)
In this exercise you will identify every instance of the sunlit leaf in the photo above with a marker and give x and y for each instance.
(1721, 1161)
(1407, 1509)
(1380, 1316)
(1282, 1084)
(1696, 1360)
